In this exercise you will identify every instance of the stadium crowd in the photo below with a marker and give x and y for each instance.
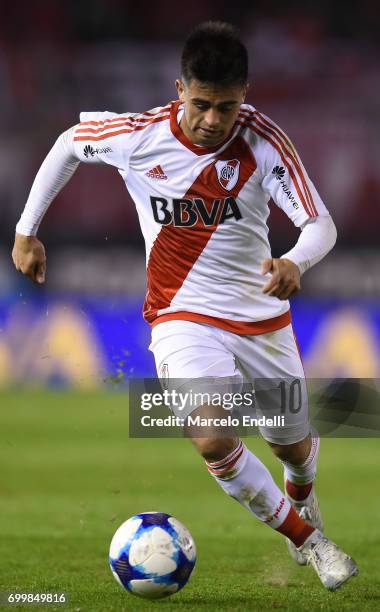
(314, 71)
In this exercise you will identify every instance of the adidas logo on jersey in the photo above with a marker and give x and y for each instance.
(157, 173)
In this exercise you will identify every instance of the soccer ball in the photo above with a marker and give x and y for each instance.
(152, 555)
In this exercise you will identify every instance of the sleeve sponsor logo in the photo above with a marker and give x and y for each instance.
(279, 173)
(89, 151)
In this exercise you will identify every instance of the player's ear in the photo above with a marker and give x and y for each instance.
(180, 90)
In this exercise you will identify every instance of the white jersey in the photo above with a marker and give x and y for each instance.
(203, 211)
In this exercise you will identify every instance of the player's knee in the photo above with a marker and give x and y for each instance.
(214, 449)
(282, 452)
(292, 453)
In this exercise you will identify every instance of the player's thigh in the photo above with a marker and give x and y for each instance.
(273, 363)
(183, 349)
(191, 358)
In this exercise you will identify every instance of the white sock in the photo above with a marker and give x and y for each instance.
(245, 478)
(305, 473)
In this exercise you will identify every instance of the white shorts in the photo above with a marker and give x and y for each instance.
(186, 352)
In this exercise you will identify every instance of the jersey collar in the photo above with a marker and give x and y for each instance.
(178, 133)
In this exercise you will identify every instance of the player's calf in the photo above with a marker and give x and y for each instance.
(300, 468)
(244, 477)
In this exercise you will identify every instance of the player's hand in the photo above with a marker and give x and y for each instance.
(286, 278)
(29, 257)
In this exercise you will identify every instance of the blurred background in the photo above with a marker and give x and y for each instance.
(314, 69)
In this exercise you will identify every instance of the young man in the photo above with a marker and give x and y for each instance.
(201, 171)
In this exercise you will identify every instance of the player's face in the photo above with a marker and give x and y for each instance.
(210, 111)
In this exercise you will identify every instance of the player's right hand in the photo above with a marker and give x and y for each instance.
(29, 257)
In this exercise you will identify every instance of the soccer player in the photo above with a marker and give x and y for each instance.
(201, 171)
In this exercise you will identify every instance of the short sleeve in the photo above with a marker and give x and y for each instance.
(284, 177)
(105, 137)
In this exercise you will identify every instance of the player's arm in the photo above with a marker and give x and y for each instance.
(100, 138)
(285, 180)
(58, 167)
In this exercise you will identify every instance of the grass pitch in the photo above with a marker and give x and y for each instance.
(70, 476)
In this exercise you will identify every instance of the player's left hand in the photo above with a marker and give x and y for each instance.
(286, 278)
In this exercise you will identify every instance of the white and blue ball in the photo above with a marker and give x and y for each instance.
(152, 555)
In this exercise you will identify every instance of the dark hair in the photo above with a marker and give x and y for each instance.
(213, 53)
